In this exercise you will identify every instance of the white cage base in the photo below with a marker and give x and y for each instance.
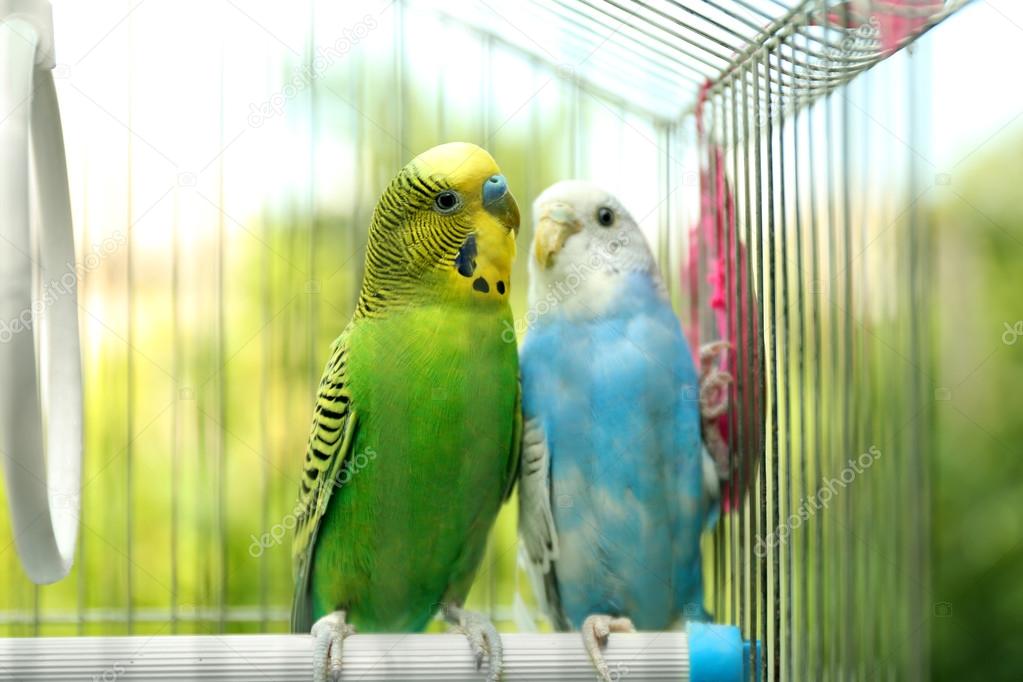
(535, 657)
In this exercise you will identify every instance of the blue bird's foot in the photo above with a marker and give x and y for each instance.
(483, 638)
(714, 402)
(596, 629)
(713, 380)
(329, 633)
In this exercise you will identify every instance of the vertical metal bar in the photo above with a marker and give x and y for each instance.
(676, 215)
(486, 90)
(222, 386)
(710, 330)
(574, 95)
(698, 312)
(400, 81)
(797, 670)
(738, 452)
(266, 346)
(440, 88)
(864, 642)
(831, 550)
(772, 591)
(850, 606)
(728, 247)
(737, 436)
(486, 97)
(358, 174)
(314, 286)
(925, 349)
(705, 144)
(11, 578)
(129, 454)
(36, 610)
(313, 290)
(918, 300)
(532, 177)
(622, 112)
(759, 590)
(746, 518)
(783, 575)
(881, 503)
(83, 294)
(816, 670)
(725, 248)
(176, 362)
(266, 386)
(663, 137)
(898, 444)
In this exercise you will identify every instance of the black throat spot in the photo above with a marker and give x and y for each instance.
(480, 284)
(465, 261)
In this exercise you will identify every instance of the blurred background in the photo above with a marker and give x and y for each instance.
(224, 160)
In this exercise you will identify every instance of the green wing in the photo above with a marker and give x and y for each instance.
(330, 444)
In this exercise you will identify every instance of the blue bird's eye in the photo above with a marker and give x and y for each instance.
(605, 216)
(447, 202)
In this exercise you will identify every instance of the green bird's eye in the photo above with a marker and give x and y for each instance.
(447, 202)
(605, 216)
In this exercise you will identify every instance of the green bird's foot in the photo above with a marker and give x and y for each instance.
(482, 636)
(329, 632)
(596, 630)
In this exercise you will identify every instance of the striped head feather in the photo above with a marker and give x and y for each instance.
(444, 228)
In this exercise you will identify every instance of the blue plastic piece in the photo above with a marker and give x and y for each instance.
(717, 653)
(747, 660)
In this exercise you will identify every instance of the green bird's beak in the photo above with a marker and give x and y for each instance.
(499, 202)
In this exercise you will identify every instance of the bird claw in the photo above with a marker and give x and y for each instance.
(713, 381)
(330, 633)
(709, 353)
(596, 630)
(482, 636)
(477, 644)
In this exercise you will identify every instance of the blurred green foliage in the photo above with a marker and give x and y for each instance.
(977, 555)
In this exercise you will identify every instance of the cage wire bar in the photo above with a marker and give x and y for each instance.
(771, 97)
(824, 265)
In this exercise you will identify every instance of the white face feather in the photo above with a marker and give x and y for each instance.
(582, 275)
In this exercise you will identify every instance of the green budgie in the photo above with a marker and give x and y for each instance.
(415, 436)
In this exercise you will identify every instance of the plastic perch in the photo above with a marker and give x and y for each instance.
(40, 411)
(706, 653)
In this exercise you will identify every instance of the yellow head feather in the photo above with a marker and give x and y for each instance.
(445, 226)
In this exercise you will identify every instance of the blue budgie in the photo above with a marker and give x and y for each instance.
(616, 486)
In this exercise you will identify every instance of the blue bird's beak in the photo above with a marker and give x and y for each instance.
(499, 202)
(558, 222)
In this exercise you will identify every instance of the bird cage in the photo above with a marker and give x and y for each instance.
(222, 173)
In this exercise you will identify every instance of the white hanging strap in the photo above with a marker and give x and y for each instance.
(42, 474)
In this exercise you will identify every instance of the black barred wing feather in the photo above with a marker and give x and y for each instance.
(329, 447)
